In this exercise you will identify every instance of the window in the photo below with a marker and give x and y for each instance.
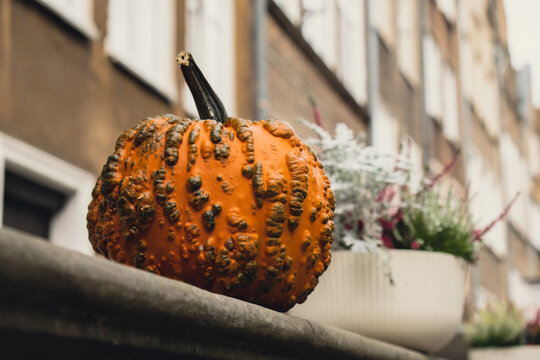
(515, 180)
(486, 98)
(407, 32)
(414, 152)
(77, 13)
(319, 28)
(382, 15)
(385, 129)
(210, 38)
(466, 70)
(534, 153)
(432, 77)
(450, 105)
(351, 55)
(335, 29)
(519, 291)
(44, 195)
(293, 10)
(142, 37)
(448, 8)
(486, 199)
(29, 206)
(534, 225)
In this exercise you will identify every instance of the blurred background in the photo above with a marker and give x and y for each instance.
(449, 76)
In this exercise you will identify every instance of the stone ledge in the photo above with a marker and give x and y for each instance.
(56, 303)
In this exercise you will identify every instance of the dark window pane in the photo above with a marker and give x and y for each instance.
(30, 206)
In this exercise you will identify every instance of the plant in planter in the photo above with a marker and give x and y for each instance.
(498, 333)
(427, 220)
(498, 325)
(384, 218)
(361, 177)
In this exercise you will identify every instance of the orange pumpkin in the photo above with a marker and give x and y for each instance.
(234, 206)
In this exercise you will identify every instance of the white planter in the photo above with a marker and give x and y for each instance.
(422, 310)
(528, 352)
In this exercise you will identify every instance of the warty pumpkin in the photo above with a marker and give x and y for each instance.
(237, 207)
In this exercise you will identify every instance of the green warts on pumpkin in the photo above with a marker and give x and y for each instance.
(208, 103)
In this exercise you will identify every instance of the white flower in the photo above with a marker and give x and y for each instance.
(358, 174)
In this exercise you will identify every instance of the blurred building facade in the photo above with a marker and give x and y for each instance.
(436, 73)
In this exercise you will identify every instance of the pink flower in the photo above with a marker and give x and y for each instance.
(435, 179)
(387, 241)
(415, 245)
(386, 195)
(478, 233)
(316, 113)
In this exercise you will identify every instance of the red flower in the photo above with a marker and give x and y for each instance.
(387, 225)
(387, 241)
(360, 226)
(415, 245)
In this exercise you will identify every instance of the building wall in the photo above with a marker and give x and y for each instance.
(64, 94)
(293, 78)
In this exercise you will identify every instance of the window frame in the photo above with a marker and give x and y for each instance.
(166, 87)
(407, 39)
(206, 59)
(323, 24)
(433, 87)
(68, 226)
(450, 112)
(86, 27)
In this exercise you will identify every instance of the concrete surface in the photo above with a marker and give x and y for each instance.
(56, 303)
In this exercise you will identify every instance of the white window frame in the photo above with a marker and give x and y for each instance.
(534, 225)
(448, 8)
(450, 105)
(319, 28)
(385, 129)
(291, 8)
(351, 64)
(407, 39)
(486, 199)
(382, 19)
(515, 179)
(68, 226)
(432, 77)
(215, 55)
(533, 143)
(79, 14)
(160, 70)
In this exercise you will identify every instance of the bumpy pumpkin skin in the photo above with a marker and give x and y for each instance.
(241, 208)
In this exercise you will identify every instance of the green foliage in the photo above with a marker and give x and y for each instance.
(428, 222)
(497, 325)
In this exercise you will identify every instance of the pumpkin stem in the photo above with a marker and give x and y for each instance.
(208, 104)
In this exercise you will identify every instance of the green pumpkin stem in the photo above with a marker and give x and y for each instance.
(208, 104)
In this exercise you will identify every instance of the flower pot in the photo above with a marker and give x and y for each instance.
(422, 310)
(527, 352)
